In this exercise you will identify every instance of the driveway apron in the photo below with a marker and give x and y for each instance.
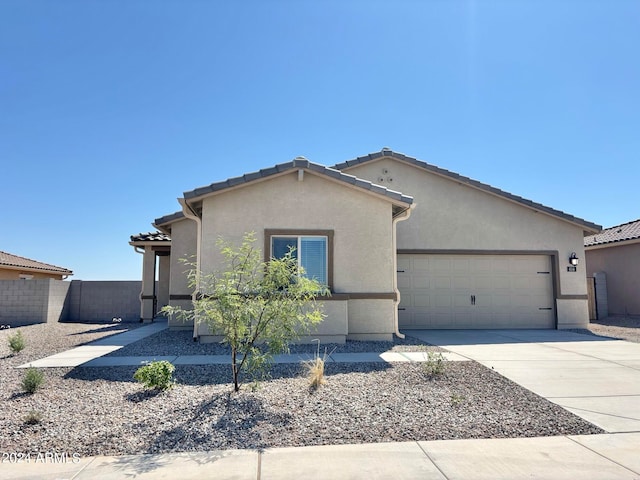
(593, 377)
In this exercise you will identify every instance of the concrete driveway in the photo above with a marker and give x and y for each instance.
(593, 377)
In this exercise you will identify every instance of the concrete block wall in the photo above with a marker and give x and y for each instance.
(25, 302)
(103, 300)
(57, 299)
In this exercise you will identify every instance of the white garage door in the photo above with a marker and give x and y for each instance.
(475, 291)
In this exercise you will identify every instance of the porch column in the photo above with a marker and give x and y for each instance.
(164, 275)
(148, 295)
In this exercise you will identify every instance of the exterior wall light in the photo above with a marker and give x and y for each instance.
(573, 259)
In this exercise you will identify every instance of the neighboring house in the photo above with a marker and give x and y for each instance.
(448, 252)
(13, 267)
(615, 252)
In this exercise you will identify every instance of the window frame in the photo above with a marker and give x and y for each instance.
(328, 234)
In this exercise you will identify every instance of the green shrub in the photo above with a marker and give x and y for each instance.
(435, 364)
(32, 380)
(16, 342)
(157, 375)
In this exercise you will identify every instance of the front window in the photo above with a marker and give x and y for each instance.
(310, 251)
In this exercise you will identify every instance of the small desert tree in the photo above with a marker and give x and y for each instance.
(257, 307)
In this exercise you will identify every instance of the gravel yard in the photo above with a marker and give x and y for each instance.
(624, 328)
(169, 342)
(102, 411)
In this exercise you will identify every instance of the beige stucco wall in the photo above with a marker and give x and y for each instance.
(621, 264)
(333, 328)
(11, 274)
(183, 247)
(449, 215)
(362, 224)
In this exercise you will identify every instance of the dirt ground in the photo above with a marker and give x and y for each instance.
(622, 327)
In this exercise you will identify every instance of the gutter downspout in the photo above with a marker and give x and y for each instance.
(190, 214)
(398, 218)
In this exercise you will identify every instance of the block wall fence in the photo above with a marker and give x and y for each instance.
(25, 302)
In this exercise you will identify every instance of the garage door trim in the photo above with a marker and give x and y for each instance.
(552, 254)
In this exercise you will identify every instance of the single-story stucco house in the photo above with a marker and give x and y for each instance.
(14, 267)
(447, 252)
(615, 252)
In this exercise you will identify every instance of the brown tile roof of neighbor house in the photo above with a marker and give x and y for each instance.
(299, 163)
(16, 262)
(619, 233)
(151, 237)
(168, 218)
(387, 152)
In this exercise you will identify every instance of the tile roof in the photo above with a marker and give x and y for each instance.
(619, 233)
(168, 218)
(386, 152)
(299, 163)
(151, 237)
(10, 260)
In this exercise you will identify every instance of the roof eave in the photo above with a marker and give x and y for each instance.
(35, 269)
(615, 243)
(195, 196)
(152, 243)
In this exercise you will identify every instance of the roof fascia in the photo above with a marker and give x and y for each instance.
(169, 219)
(4, 266)
(320, 171)
(618, 243)
(151, 243)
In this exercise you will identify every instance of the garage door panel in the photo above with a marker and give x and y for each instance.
(420, 282)
(440, 265)
(461, 301)
(509, 292)
(421, 300)
(461, 265)
(404, 264)
(462, 320)
(443, 283)
(462, 283)
(420, 264)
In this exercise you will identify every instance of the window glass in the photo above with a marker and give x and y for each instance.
(280, 246)
(311, 253)
(313, 258)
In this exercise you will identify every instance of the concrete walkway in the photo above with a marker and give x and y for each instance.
(610, 456)
(596, 378)
(96, 349)
(92, 354)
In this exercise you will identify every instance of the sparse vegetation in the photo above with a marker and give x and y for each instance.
(33, 417)
(156, 375)
(435, 364)
(17, 342)
(315, 368)
(32, 380)
(457, 399)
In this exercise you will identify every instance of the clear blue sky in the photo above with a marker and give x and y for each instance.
(109, 110)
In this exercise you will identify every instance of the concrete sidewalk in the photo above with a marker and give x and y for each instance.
(610, 456)
(593, 377)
